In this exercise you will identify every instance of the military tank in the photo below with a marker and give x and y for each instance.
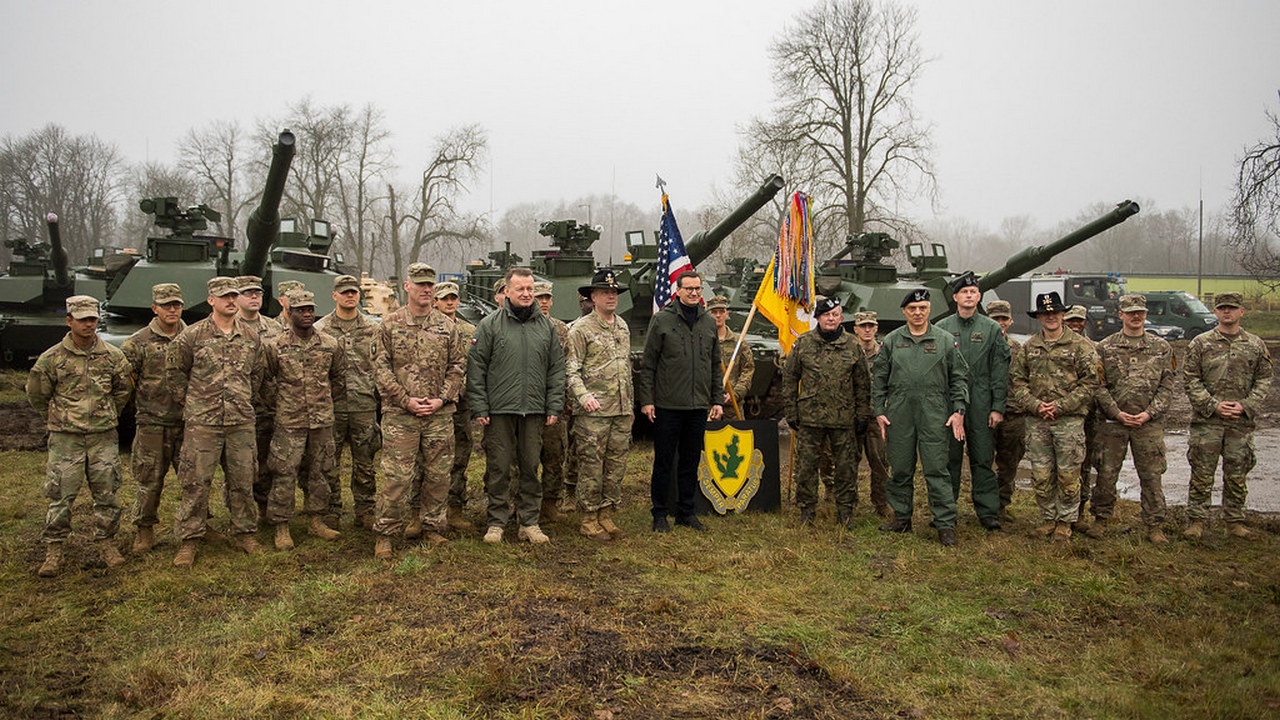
(33, 296)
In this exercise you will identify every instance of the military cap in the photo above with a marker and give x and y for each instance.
(301, 299)
(220, 286)
(542, 288)
(966, 280)
(719, 301)
(825, 305)
(1050, 302)
(999, 309)
(165, 293)
(866, 317)
(248, 282)
(422, 273)
(1133, 303)
(1076, 312)
(915, 296)
(82, 306)
(284, 287)
(499, 285)
(345, 282)
(604, 279)
(1228, 299)
(445, 289)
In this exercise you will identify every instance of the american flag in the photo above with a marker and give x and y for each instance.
(673, 260)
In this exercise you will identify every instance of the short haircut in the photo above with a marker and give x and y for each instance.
(691, 274)
(520, 271)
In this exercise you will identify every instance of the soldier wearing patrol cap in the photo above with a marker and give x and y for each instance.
(283, 288)
(447, 303)
(555, 438)
(355, 421)
(249, 302)
(1010, 435)
(1228, 375)
(744, 367)
(500, 291)
(865, 325)
(80, 386)
(919, 394)
(157, 409)
(1077, 319)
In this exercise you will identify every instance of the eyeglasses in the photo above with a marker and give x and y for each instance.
(694, 288)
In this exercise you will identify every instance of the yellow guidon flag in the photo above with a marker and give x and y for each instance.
(786, 293)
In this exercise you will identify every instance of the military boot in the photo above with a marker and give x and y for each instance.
(248, 543)
(550, 512)
(605, 517)
(110, 553)
(533, 534)
(332, 521)
(52, 560)
(213, 534)
(807, 515)
(844, 518)
(1047, 527)
(318, 528)
(413, 529)
(1156, 536)
(1062, 532)
(364, 520)
(1194, 530)
(457, 521)
(382, 548)
(143, 540)
(186, 556)
(896, 526)
(1098, 529)
(590, 527)
(1238, 530)
(433, 538)
(567, 503)
(284, 540)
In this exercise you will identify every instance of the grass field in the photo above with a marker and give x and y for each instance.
(757, 618)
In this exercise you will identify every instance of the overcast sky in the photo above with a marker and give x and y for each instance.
(1038, 108)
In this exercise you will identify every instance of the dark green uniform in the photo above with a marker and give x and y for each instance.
(919, 381)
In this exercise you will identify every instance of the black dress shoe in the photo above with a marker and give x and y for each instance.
(947, 536)
(990, 523)
(660, 524)
(692, 522)
(897, 526)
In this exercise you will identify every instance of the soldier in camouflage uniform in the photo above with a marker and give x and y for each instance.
(1228, 375)
(1055, 382)
(222, 363)
(283, 288)
(308, 378)
(420, 365)
(1076, 318)
(249, 303)
(157, 412)
(1138, 382)
(598, 376)
(569, 501)
(355, 416)
(80, 386)
(985, 351)
(447, 304)
(555, 438)
(826, 392)
(744, 367)
(1010, 436)
(865, 326)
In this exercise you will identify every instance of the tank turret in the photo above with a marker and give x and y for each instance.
(33, 295)
(264, 222)
(58, 255)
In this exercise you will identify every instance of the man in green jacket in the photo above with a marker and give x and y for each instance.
(515, 383)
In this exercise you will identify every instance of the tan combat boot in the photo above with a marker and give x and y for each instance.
(319, 528)
(52, 560)
(143, 540)
(1047, 527)
(567, 503)
(591, 528)
(1194, 530)
(1156, 536)
(382, 548)
(457, 521)
(1098, 529)
(1062, 532)
(550, 512)
(284, 540)
(186, 556)
(606, 521)
(248, 543)
(533, 534)
(110, 553)
(213, 534)
(364, 521)
(433, 538)
(413, 529)
(1238, 530)
(493, 535)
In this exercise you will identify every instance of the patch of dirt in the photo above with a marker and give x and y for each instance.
(21, 427)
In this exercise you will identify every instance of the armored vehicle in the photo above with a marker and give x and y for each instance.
(33, 296)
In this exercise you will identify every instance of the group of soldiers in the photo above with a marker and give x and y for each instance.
(276, 401)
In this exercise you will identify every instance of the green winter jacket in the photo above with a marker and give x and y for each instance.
(515, 368)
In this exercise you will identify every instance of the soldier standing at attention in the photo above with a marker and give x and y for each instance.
(1137, 384)
(680, 386)
(1010, 435)
(355, 416)
(1055, 381)
(598, 375)
(865, 326)
(157, 413)
(222, 362)
(826, 393)
(515, 384)
(555, 438)
(744, 367)
(982, 343)
(420, 366)
(80, 386)
(447, 304)
(308, 378)
(569, 502)
(1076, 318)
(1228, 375)
(249, 304)
(919, 392)
(283, 288)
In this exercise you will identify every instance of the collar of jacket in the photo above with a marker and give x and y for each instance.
(99, 345)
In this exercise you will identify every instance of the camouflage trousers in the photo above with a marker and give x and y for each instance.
(1114, 441)
(358, 431)
(555, 442)
(155, 450)
(571, 460)
(1091, 465)
(76, 460)
(1011, 445)
(203, 448)
(872, 446)
(1207, 443)
(845, 450)
(602, 444)
(1056, 451)
(263, 429)
(413, 446)
(303, 453)
(462, 434)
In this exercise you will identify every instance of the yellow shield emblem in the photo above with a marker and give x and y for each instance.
(731, 467)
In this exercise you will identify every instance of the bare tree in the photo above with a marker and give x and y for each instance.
(214, 154)
(325, 136)
(368, 158)
(1255, 209)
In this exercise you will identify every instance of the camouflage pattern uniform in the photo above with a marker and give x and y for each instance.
(826, 393)
(81, 393)
(598, 365)
(462, 430)
(1064, 371)
(1092, 463)
(158, 414)
(420, 357)
(355, 416)
(1011, 442)
(264, 425)
(1137, 377)
(744, 369)
(1222, 368)
(872, 448)
(555, 438)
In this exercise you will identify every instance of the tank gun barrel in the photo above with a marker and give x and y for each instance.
(1032, 258)
(61, 277)
(264, 223)
(707, 242)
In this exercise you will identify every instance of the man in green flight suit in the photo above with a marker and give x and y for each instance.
(983, 346)
(920, 390)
